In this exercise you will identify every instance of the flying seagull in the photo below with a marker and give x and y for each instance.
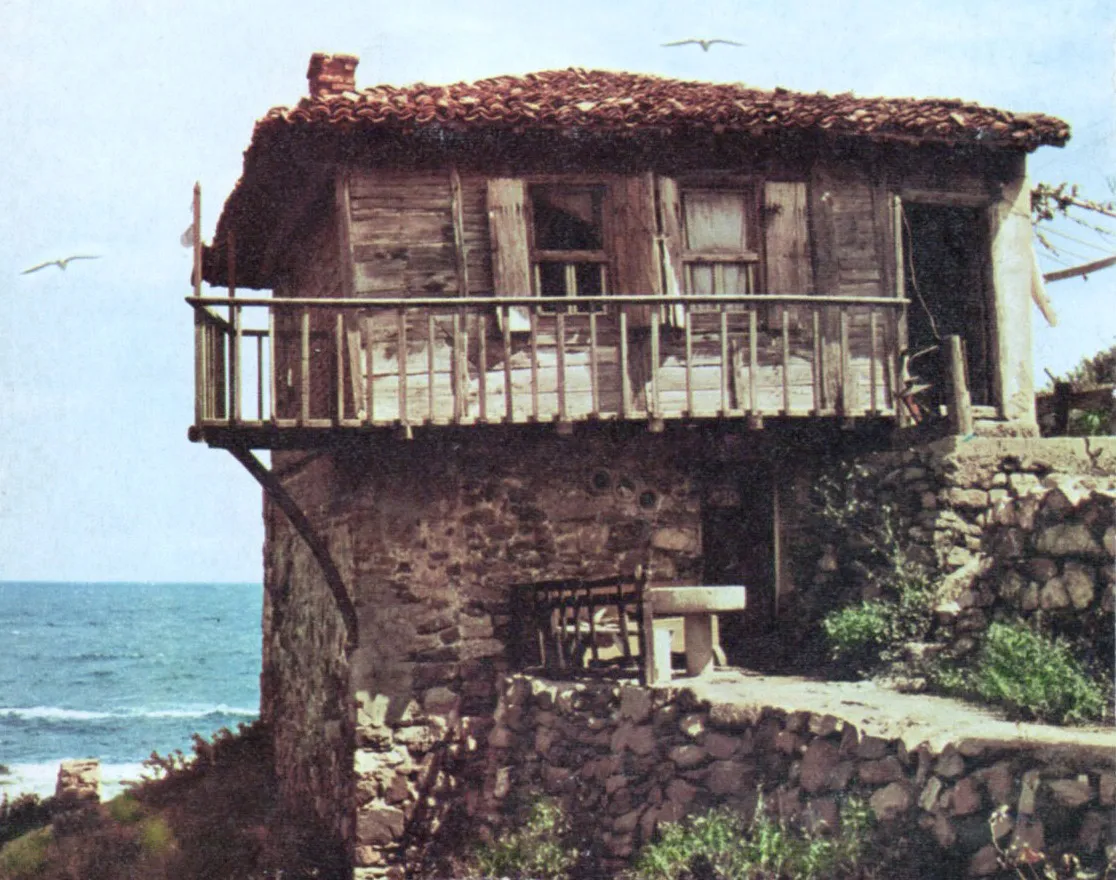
(705, 44)
(61, 264)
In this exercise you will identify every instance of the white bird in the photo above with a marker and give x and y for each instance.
(705, 44)
(61, 264)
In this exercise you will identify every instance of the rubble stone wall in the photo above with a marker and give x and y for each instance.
(1018, 526)
(430, 535)
(624, 759)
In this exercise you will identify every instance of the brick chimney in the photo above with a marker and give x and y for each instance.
(331, 74)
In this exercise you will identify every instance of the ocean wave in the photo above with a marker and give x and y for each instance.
(55, 713)
(40, 778)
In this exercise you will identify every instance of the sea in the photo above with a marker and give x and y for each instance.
(115, 671)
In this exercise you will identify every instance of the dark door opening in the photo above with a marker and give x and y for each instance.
(946, 253)
(738, 548)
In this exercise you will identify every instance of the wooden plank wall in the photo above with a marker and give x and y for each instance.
(403, 243)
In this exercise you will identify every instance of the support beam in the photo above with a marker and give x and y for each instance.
(278, 493)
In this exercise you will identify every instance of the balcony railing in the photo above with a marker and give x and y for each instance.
(266, 367)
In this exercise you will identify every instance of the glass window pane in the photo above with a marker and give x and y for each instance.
(715, 220)
(568, 218)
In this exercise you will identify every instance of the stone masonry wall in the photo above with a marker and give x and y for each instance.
(624, 759)
(1018, 527)
(430, 534)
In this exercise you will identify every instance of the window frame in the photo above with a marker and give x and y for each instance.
(751, 260)
(604, 258)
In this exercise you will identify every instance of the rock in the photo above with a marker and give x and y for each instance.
(965, 798)
(1071, 792)
(379, 825)
(891, 801)
(877, 772)
(871, 747)
(635, 704)
(1067, 539)
(950, 764)
(1027, 791)
(1094, 832)
(1054, 595)
(719, 746)
(1109, 541)
(929, 797)
(675, 540)
(681, 791)
(692, 726)
(728, 777)
(687, 756)
(1107, 789)
(975, 499)
(440, 701)
(998, 781)
(985, 862)
(734, 717)
(818, 761)
(79, 782)
(1079, 584)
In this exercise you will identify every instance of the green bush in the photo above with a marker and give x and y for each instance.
(540, 850)
(721, 843)
(25, 857)
(1034, 676)
(858, 634)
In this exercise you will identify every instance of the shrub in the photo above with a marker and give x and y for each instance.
(858, 634)
(540, 850)
(722, 844)
(26, 813)
(1034, 676)
(24, 858)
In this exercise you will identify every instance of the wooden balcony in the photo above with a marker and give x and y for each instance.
(273, 373)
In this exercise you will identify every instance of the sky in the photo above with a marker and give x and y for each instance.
(111, 111)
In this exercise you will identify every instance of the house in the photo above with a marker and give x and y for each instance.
(560, 326)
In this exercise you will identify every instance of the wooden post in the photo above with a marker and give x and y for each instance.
(197, 279)
(960, 406)
(1063, 398)
(234, 322)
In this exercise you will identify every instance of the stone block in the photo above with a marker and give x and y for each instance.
(1107, 789)
(635, 704)
(872, 748)
(1071, 793)
(734, 716)
(1054, 595)
(1067, 539)
(719, 746)
(928, 799)
(377, 825)
(984, 862)
(693, 725)
(440, 701)
(999, 782)
(1096, 830)
(965, 798)
(818, 761)
(1079, 581)
(681, 791)
(688, 756)
(891, 801)
(878, 772)
(950, 764)
(728, 777)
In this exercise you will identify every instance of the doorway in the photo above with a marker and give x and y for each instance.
(946, 253)
(738, 545)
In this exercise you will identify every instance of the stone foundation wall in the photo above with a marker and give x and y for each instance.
(624, 759)
(430, 535)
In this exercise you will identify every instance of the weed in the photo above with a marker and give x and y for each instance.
(722, 844)
(539, 850)
(1032, 675)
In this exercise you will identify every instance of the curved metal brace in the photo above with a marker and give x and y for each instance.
(278, 493)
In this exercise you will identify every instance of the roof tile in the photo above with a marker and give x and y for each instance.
(610, 101)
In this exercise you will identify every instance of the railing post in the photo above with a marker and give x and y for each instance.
(960, 405)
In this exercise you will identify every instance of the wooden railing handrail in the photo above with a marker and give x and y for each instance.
(603, 299)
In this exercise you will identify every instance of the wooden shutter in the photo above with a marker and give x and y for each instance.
(511, 262)
(634, 229)
(670, 218)
(786, 238)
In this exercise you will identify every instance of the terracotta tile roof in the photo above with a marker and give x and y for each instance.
(614, 102)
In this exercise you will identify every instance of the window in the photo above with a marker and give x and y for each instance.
(567, 247)
(721, 250)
